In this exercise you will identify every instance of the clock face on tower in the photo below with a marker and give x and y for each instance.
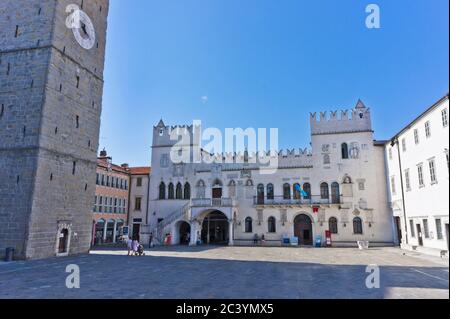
(85, 32)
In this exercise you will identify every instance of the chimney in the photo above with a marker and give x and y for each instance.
(103, 153)
(125, 166)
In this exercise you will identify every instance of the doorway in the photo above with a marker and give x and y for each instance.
(419, 234)
(63, 238)
(136, 231)
(217, 192)
(398, 228)
(215, 229)
(185, 233)
(303, 230)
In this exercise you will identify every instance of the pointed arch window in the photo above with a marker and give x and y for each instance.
(272, 227)
(171, 191)
(162, 191)
(179, 191)
(286, 191)
(344, 149)
(324, 191)
(248, 225)
(260, 194)
(187, 191)
(270, 194)
(296, 191)
(357, 226)
(333, 225)
(307, 190)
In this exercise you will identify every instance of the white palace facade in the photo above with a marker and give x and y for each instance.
(342, 177)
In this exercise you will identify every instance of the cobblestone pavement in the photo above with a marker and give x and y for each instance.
(230, 272)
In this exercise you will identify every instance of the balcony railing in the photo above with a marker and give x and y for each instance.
(212, 202)
(281, 200)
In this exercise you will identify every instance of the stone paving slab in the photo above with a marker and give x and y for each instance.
(230, 272)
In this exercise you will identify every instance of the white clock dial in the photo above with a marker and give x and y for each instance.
(85, 34)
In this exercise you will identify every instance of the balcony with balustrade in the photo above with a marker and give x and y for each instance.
(212, 202)
(282, 201)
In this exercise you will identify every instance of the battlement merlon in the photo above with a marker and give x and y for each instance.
(165, 135)
(360, 121)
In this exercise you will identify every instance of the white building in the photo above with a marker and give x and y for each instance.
(231, 200)
(418, 180)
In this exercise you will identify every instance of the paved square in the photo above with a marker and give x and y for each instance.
(231, 272)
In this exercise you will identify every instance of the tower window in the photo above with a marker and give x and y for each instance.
(74, 167)
(77, 119)
(78, 81)
(17, 31)
(2, 110)
(344, 149)
(8, 69)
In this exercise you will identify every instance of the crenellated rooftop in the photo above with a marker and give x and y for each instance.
(342, 122)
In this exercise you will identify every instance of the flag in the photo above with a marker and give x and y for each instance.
(301, 191)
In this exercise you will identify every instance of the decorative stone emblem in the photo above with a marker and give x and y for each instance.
(354, 151)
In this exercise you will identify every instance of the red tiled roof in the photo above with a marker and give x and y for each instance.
(140, 170)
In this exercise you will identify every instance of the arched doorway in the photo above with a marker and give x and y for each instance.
(215, 229)
(63, 241)
(303, 229)
(184, 233)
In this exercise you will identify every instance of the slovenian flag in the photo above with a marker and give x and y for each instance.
(299, 189)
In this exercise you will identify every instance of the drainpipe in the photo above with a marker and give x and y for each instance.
(148, 198)
(395, 142)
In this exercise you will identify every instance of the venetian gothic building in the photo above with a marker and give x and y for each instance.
(337, 186)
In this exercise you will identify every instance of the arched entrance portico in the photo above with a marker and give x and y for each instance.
(303, 229)
(215, 229)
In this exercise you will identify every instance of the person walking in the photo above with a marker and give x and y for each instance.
(255, 239)
(129, 245)
(135, 246)
(150, 241)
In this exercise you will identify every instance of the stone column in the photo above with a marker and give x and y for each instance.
(115, 231)
(193, 240)
(105, 229)
(230, 233)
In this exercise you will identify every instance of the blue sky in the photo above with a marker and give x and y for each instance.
(266, 63)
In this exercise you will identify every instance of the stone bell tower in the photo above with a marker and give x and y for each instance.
(52, 56)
